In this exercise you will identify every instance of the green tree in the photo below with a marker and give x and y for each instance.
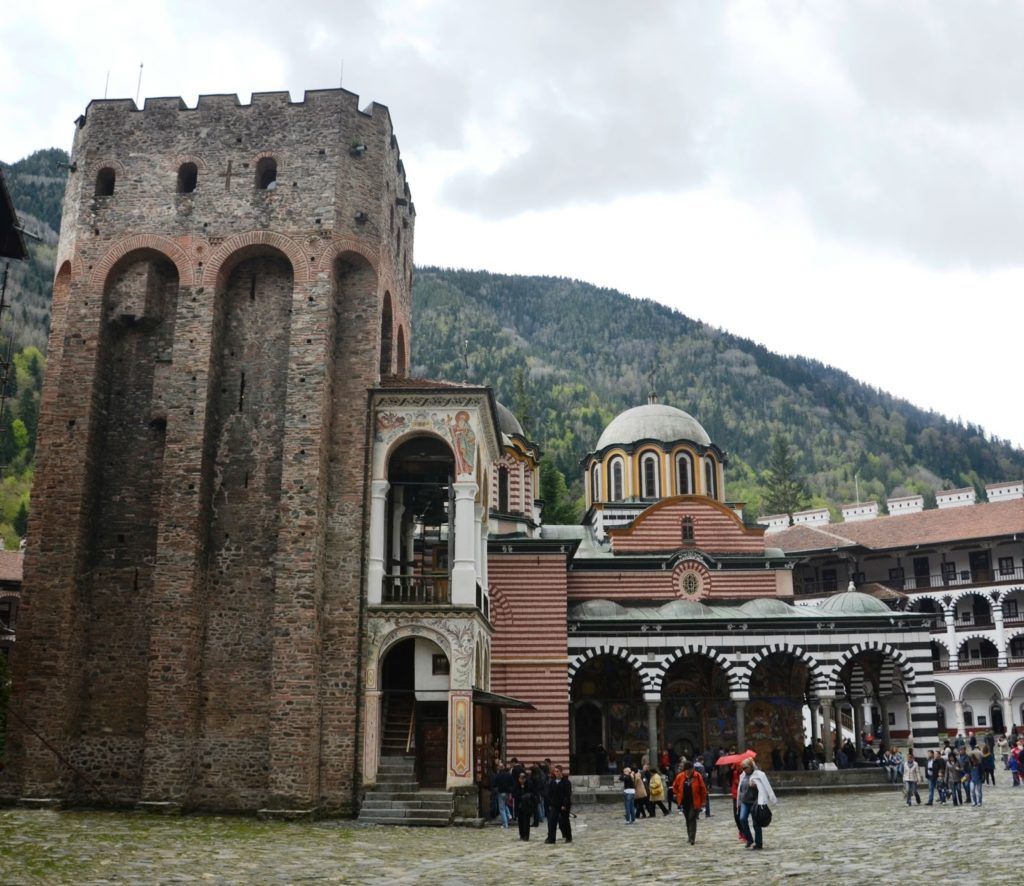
(21, 520)
(558, 507)
(522, 404)
(785, 491)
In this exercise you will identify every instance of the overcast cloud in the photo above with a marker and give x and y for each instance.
(833, 179)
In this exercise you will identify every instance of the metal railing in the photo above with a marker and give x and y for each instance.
(977, 664)
(424, 587)
(958, 578)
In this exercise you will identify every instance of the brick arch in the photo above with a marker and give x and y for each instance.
(241, 245)
(818, 682)
(170, 249)
(962, 638)
(905, 667)
(97, 165)
(616, 651)
(734, 678)
(182, 159)
(337, 246)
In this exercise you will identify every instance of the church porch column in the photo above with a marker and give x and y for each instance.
(740, 700)
(1007, 714)
(378, 523)
(949, 614)
(828, 735)
(958, 713)
(652, 731)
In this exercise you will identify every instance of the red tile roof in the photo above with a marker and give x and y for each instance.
(10, 565)
(923, 528)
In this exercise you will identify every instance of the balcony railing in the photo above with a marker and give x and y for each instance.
(432, 588)
(960, 578)
(978, 664)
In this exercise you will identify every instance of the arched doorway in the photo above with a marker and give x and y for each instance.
(613, 687)
(697, 713)
(779, 691)
(419, 523)
(414, 707)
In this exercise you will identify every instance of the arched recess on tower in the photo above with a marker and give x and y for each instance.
(242, 487)
(387, 331)
(139, 305)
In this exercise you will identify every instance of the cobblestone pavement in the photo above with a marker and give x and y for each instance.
(865, 838)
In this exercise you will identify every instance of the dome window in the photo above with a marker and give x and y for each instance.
(649, 476)
(595, 484)
(710, 479)
(616, 472)
(684, 474)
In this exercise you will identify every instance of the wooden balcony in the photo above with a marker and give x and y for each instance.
(421, 589)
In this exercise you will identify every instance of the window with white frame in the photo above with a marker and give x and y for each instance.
(595, 483)
(710, 478)
(615, 471)
(684, 474)
(649, 476)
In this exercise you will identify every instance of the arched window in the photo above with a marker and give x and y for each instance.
(266, 174)
(400, 370)
(105, 182)
(188, 178)
(595, 483)
(503, 489)
(615, 471)
(684, 474)
(687, 529)
(710, 479)
(385, 336)
(649, 476)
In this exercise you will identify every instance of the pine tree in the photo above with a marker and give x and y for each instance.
(20, 522)
(785, 490)
(558, 507)
(522, 405)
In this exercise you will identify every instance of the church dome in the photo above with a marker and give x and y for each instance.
(597, 609)
(508, 424)
(684, 609)
(854, 603)
(767, 607)
(653, 421)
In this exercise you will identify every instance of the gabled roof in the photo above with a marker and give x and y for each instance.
(994, 519)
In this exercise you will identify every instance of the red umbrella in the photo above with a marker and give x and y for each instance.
(736, 758)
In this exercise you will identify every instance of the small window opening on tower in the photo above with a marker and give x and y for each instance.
(503, 484)
(188, 178)
(266, 174)
(241, 393)
(105, 182)
(687, 529)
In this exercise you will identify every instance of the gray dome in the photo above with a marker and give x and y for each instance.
(653, 421)
(597, 609)
(684, 609)
(507, 422)
(767, 607)
(854, 603)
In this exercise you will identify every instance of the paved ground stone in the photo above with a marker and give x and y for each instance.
(865, 838)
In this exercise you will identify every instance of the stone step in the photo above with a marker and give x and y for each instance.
(399, 778)
(373, 805)
(410, 822)
(399, 764)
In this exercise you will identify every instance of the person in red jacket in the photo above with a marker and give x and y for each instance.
(691, 795)
(737, 771)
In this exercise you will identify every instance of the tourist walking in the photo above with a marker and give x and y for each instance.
(988, 766)
(629, 794)
(559, 800)
(640, 807)
(911, 775)
(953, 777)
(939, 773)
(525, 799)
(656, 794)
(754, 789)
(930, 775)
(977, 777)
(503, 784)
(691, 796)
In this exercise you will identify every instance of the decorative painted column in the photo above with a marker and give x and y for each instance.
(828, 739)
(1007, 715)
(460, 737)
(378, 516)
(482, 564)
(858, 722)
(949, 614)
(371, 736)
(479, 544)
(652, 733)
(958, 712)
(394, 556)
(815, 709)
(466, 537)
(997, 615)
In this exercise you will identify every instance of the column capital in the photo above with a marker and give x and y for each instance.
(379, 488)
(465, 488)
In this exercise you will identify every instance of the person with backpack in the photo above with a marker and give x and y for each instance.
(691, 795)
(656, 794)
(641, 795)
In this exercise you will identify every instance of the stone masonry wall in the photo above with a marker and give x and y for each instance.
(211, 656)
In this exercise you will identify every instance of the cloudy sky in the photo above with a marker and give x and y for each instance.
(839, 180)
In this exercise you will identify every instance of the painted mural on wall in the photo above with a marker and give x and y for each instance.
(454, 426)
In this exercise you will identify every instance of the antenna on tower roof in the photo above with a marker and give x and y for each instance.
(106, 84)
(341, 74)
(138, 88)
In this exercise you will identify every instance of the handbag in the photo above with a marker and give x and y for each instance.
(762, 815)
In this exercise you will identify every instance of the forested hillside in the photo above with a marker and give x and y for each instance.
(588, 353)
(584, 354)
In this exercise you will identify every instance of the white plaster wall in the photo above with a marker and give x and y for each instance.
(428, 686)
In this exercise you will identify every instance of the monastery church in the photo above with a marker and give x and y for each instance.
(268, 570)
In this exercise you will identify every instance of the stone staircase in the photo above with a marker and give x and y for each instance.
(397, 798)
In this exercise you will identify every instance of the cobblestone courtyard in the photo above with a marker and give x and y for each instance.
(866, 838)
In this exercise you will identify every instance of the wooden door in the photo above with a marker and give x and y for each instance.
(432, 743)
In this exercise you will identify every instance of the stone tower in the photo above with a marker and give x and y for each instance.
(232, 280)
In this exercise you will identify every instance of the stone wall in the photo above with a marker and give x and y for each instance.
(193, 583)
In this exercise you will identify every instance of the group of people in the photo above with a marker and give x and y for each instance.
(542, 793)
(956, 773)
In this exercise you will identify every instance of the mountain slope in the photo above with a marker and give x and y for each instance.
(589, 351)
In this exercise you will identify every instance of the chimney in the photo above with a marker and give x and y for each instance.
(905, 504)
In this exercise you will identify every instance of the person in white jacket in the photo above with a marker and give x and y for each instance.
(753, 790)
(911, 774)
